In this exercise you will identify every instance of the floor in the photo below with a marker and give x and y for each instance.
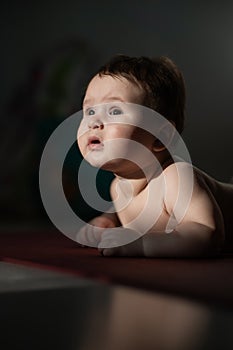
(55, 295)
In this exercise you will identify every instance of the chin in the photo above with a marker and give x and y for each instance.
(97, 160)
(121, 167)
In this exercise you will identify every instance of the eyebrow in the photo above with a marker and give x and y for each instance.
(110, 98)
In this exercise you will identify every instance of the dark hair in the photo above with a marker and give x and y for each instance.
(160, 79)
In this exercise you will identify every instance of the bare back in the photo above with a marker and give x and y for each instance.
(223, 195)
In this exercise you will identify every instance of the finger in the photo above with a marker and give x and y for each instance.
(89, 235)
(110, 251)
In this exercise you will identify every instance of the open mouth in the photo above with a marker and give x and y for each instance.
(94, 142)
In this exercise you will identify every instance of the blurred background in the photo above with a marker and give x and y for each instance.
(49, 50)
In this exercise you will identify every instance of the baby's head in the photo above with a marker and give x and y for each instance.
(123, 81)
(159, 79)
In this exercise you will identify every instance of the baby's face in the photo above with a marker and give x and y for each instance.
(104, 137)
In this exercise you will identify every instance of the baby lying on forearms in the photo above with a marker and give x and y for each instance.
(163, 207)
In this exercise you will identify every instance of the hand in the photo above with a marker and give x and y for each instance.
(90, 234)
(121, 241)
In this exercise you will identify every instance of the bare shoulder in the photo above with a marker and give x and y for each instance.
(211, 200)
(187, 188)
(179, 176)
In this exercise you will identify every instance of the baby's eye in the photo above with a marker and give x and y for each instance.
(115, 111)
(90, 111)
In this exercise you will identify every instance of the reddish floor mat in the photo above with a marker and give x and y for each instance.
(207, 279)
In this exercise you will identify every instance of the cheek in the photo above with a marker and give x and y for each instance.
(129, 132)
(81, 141)
(82, 135)
(120, 131)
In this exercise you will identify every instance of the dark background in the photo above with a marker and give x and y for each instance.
(48, 50)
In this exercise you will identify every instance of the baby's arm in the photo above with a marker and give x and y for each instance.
(90, 234)
(200, 232)
(187, 240)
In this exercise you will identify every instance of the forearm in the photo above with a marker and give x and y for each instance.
(187, 240)
(90, 234)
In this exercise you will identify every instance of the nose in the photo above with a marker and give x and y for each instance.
(96, 123)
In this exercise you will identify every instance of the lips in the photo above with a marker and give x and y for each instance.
(94, 142)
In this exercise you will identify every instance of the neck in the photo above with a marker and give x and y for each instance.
(137, 180)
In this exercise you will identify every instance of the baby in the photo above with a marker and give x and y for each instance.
(163, 206)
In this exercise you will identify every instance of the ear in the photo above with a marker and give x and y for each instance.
(158, 146)
(165, 138)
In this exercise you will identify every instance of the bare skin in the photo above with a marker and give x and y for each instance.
(201, 229)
